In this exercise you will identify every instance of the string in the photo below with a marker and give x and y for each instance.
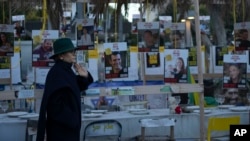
(116, 20)
(3, 13)
(174, 10)
(84, 9)
(234, 17)
(174, 13)
(243, 10)
(147, 6)
(44, 16)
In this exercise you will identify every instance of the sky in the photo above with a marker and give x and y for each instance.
(133, 9)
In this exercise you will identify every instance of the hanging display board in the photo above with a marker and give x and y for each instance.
(242, 38)
(192, 60)
(85, 34)
(42, 47)
(7, 40)
(175, 65)
(174, 35)
(148, 36)
(217, 53)
(234, 71)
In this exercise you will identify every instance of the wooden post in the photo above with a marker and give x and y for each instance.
(200, 71)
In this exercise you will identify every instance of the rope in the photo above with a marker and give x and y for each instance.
(116, 20)
(147, 6)
(3, 13)
(234, 17)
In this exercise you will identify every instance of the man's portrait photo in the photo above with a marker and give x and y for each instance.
(116, 64)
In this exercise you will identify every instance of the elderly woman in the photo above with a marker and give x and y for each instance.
(60, 111)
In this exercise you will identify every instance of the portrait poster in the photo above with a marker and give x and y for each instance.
(7, 40)
(85, 34)
(205, 24)
(11, 65)
(19, 25)
(234, 96)
(174, 35)
(42, 47)
(148, 36)
(175, 65)
(218, 53)
(162, 20)
(116, 60)
(234, 71)
(242, 37)
(135, 19)
(192, 59)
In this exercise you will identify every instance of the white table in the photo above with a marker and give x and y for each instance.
(187, 124)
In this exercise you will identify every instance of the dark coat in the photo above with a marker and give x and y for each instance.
(60, 112)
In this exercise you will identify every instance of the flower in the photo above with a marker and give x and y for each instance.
(178, 109)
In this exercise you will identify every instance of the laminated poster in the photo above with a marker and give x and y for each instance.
(42, 47)
(148, 36)
(7, 40)
(192, 59)
(174, 35)
(175, 66)
(234, 71)
(242, 38)
(116, 60)
(85, 34)
(218, 53)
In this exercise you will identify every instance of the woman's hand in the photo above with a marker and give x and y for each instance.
(80, 70)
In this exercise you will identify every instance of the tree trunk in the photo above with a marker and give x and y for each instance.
(218, 25)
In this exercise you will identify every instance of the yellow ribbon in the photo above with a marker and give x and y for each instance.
(116, 20)
(174, 10)
(147, 10)
(234, 16)
(84, 9)
(44, 17)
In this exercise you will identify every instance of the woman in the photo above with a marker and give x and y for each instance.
(86, 38)
(60, 112)
(234, 73)
(180, 70)
(5, 45)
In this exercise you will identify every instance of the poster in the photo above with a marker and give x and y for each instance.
(218, 53)
(234, 71)
(11, 65)
(175, 66)
(174, 35)
(7, 40)
(205, 24)
(148, 36)
(116, 60)
(19, 25)
(85, 34)
(192, 59)
(42, 47)
(135, 19)
(242, 38)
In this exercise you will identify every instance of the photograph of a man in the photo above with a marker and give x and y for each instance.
(116, 65)
(44, 50)
(242, 42)
(150, 41)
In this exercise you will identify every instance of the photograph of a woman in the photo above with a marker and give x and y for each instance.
(234, 75)
(6, 47)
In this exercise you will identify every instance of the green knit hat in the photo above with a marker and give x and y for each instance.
(62, 45)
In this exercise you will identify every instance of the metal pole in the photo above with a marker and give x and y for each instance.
(200, 71)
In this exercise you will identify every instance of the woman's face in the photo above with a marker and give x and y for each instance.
(3, 37)
(179, 63)
(232, 95)
(234, 72)
(69, 57)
